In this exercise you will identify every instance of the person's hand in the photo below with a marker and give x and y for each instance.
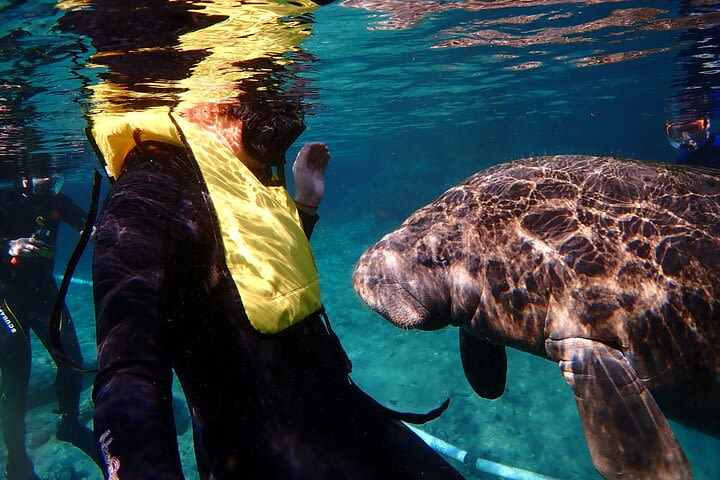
(309, 172)
(26, 247)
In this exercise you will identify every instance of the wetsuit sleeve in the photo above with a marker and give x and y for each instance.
(4, 247)
(7, 206)
(71, 213)
(308, 222)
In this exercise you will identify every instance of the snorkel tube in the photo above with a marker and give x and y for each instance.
(276, 156)
(57, 313)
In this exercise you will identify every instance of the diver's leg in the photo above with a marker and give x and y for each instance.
(15, 367)
(391, 448)
(356, 438)
(68, 382)
(295, 414)
(132, 392)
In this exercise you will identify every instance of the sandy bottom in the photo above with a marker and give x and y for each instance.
(534, 425)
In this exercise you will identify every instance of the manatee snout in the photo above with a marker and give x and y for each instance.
(396, 289)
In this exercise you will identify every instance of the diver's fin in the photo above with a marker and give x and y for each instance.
(338, 354)
(71, 430)
(420, 418)
(484, 363)
(626, 432)
(409, 417)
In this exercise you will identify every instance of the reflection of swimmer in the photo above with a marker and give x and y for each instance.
(203, 265)
(168, 53)
(31, 214)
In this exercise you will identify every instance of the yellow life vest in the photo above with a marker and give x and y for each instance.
(266, 250)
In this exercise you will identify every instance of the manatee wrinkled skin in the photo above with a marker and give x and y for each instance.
(608, 266)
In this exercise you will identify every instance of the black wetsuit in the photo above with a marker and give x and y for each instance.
(696, 82)
(27, 297)
(263, 406)
(706, 156)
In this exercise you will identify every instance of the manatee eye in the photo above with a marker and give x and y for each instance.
(443, 261)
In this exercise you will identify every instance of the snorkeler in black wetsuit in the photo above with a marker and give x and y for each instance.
(31, 214)
(697, 145)
(276, 406)
(689, 112)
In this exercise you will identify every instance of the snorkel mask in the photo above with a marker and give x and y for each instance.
(41, 186)
(688, 135)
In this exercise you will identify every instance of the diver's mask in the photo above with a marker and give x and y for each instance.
(41, 186)
(688, 135)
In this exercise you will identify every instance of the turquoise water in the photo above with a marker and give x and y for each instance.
(412, 97)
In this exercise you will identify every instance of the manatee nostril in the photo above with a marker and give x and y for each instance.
(389, 287)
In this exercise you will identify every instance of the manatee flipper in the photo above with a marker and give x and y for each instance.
(484, 363)
(627, 434)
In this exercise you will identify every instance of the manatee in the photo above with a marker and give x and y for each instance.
(608, 266)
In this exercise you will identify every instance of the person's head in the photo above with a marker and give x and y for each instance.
(41, 186)
(258, 129)
(688, 135)
(269, 128)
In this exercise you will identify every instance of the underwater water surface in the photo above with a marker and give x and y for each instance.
(412, 97)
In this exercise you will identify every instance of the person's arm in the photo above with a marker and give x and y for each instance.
(308, 222)
(309, 173)
(70, 212)
(4, 249)
(5, 234)
(14, 243)
(6, 207)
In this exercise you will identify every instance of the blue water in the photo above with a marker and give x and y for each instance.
(412, 97)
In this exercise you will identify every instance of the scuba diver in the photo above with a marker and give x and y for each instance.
(31, 211)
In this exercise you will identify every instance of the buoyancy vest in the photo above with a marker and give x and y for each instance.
(266, 250)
